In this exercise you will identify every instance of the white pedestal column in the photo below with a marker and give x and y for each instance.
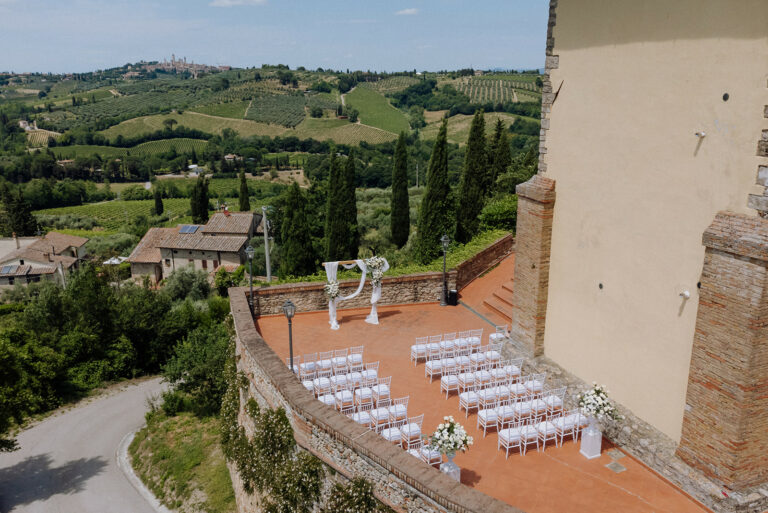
(450, 469)
(591, 441)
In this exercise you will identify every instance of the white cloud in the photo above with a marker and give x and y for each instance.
(231, 3)
(407, 12)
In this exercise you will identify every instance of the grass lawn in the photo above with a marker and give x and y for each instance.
(375, 110)
(180, 460)
(458, 126)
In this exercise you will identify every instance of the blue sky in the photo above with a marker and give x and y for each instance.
(382, 35)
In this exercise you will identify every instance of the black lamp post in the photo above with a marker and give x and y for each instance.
(444, 242)
(249, 252)
(289, 309)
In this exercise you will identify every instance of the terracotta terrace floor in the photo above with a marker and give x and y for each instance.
(557, 480)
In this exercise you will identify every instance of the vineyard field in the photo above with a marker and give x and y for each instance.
(391, 84)
(281, 109)
(182, 145)
(233, 109)
(458, 126)
(87, 150)
(498, 89)
(376, 111)
(39, 138)
(342, 131)
(112, 215)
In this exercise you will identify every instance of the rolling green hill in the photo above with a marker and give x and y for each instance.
(376, 111)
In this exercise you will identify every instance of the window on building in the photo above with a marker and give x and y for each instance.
(205, 264)
(168, 262)
(21, 261)
(34, 279)
(215, 264)
(10, 280)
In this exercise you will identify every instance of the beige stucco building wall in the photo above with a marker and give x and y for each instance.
(636, 188)
(174, 259)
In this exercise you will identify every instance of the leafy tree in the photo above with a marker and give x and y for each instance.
(349, 208)
(159, 209)
(435, 217)
(187, 282)
(474, 178)
(198, 200)
(297, 253)
(12, 393)
(245, 202)
(169, 122)
(400, 219)
(16, 213)
(197, 367)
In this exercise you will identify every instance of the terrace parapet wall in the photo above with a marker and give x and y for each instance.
(401, 481)
(476, 266)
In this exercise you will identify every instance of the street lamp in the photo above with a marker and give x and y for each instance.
(289, 309)
(249, 252)
(444, 242)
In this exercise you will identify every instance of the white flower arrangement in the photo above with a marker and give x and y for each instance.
(450, 437)
(332, 289)
(376, 266)
(595, 403)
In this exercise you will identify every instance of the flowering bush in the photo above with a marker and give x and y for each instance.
(332, 289)
(376, 266)
(595, 403)
(450, 437)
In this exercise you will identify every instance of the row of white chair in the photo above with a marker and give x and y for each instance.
(522, 433)
(492, 409)
(450, 360)
(386, 410)
(447, 341)
(363, 375)
(479, 395)
(339, 361)
(457, 380)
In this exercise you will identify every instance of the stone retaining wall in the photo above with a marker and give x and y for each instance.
(483, 261)
(310, 296)
(401, 481)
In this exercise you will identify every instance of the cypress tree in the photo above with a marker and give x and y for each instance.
(198, 202)
(435, 218)
(158, 203)
(245, 202)
(473, 181)
(349, 209)
(400, 218)
(502, 157)
(335, 224)
(16, 216)
(297, 255)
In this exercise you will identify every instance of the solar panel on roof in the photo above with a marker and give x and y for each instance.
(188, 228)
(9, 269)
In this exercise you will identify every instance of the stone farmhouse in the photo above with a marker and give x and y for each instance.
(48, 258)
(220, 242)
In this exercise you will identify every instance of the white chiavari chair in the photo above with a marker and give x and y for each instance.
(449, 382)
(391, 433)
(344, 397)
(554, 399)
(380, 413)
(547, 432)
(325, 361)
(419, 349)
(355, 356)
(381, 389)
(398, 409)
(509, 437)
(475, 338)
(339, 361)
(469, 399)
(500, 335)
(322, 383)
(411, 429)
(487, 417)
(535, 383)
(363, 415)
(370, 373)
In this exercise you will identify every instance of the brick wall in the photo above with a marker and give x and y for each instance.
(483, 261)
(535, 206)
(725, 426)
(400, 480)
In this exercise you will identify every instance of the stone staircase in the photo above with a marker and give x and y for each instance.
(500, 302)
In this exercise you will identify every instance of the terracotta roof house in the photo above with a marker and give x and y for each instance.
(56, 249)
(221, 241)
(10, 275)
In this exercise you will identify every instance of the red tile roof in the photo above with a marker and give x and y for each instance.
(148, 250)
(233, 222)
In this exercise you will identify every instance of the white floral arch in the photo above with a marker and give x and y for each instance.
(378, 266)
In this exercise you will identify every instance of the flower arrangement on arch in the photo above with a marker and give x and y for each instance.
(450, 437)
(376, 265)
(595, 403)
(332, 290)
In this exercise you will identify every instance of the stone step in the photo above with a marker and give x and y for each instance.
(508, 286)
(499, 307)
(504, 297)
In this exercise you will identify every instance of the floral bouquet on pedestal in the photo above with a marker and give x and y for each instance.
(450, 437)
(332, 290)
(594, 403)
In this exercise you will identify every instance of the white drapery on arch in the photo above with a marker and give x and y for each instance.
(373, 317)
(331, 269)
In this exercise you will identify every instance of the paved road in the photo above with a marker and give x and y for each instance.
(67, 463)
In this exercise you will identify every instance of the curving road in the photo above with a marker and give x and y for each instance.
(67, 463)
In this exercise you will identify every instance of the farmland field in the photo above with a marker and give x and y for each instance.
(202, 122)
(235, 109)
(342, 131)
(458, 126)
(280, 109)
(114, 214)
(182, 145)
(376, 111)
(498, 88)
(391, 84)
(86, 150)
(38, 138)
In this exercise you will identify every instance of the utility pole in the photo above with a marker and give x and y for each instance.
(266, 241)
(417, 175)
